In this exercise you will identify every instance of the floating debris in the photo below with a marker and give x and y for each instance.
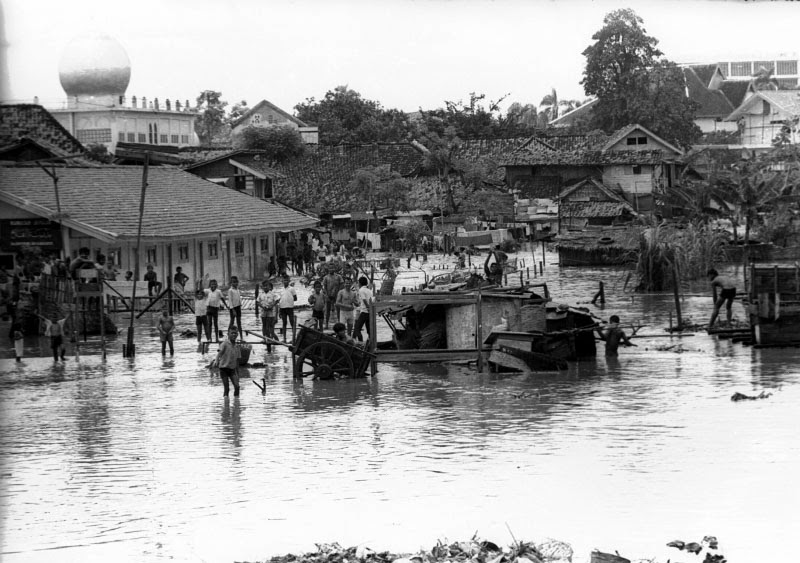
(742, 397)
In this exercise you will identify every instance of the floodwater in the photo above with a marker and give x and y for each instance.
(143, 460)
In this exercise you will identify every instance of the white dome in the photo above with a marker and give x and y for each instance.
(94, 65)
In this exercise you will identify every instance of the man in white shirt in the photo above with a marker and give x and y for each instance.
(213, 303)
(362, 319)
(286, 306)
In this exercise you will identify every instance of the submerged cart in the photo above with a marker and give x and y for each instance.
(322, 356)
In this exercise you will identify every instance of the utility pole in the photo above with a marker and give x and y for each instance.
(130, 348)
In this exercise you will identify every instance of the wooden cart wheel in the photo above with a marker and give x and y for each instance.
(323, 360)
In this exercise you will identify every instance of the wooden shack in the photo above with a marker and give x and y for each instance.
(775, 305)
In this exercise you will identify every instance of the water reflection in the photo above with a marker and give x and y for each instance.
(142, 459)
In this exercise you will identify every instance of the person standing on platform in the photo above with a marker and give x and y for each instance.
(166, 326)
(180, 278)
(726, 295)
(235, 305)
(214, 301)
(346, 302)
(331, 283)
(362, 318)
(318, 301)
(152, 281)
(228, 363)
(286, 304)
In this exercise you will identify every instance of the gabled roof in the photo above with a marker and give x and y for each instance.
(31, 121)
(620, 134)
(256, 167)
(788, 101)
(598, 186)
(266, 104)
(104, 202)
(706, 73)
(711, 103)
(735, 91)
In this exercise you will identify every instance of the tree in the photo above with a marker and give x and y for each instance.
(633, 85)
(380, 187)
(99, 153)
(280, 143)
(210, 122)
(343, 116)
(468, 120)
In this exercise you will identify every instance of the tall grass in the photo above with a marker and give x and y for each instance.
(690, 250)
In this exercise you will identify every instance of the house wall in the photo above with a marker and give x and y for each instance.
(759, 130)
(108, 127)
(713, 125)
(650, 145)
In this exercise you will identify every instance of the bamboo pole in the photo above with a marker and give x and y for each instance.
(130, 349)
(676, 293)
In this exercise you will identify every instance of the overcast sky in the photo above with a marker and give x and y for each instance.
(405, 54)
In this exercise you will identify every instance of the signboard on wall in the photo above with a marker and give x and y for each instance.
(42, 233)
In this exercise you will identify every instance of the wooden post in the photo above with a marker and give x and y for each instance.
(541, 269)
(130, 349)
(544, 260)
(373, 337)
(102, 321)
(676, 293)
(169, 295)
(521, 283)
(479, 329)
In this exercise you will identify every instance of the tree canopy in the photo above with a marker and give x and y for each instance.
(279, 143)
(343, 116)
(210, 122)
(633, 84)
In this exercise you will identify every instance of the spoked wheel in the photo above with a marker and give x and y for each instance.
(324, 360)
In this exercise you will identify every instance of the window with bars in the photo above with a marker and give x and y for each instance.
(121, 136)
(173, 139)
(131, 137)
(87, 136)
(184, 139)
(741, 69)
(183, 252)
(152, 254)
(238, 247)
(767, 65)
(212, 250)
(142, 137)
(264, 244)
(786, 67)
(637, 140)
(163, 138)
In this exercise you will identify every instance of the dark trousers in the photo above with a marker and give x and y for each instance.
(213, 320)
(362, 320)
(57, 344)
(229, 374)
(268, 330)
(236, 318)
(203, 327)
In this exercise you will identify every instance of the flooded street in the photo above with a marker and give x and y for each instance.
(140, 460)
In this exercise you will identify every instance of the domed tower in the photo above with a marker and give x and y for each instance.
(94, 71)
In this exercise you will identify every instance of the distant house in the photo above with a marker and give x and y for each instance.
(243, 170)
(267, 114)
(633, 162)
(762, 115)
(187, 221)
(589, 202)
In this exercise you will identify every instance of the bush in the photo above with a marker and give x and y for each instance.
(280, 144)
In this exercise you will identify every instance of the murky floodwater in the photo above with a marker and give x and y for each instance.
(143, 460)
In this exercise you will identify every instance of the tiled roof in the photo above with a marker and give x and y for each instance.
(704, 72)
(322, 176)
(592, 209)
(177, 203)
(602, 190)
(584, 158)
(30, 121)
(623, 132)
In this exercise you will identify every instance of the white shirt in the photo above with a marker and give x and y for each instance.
(214, 297)
(200, 307)
(267, 300)
(287, 298)
(235, 297)
(365, 296)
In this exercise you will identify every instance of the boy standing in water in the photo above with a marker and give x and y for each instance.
(201, 315)
(726, 295)
(166, 326)
(318, 301)
(267, 301)
(613, 335)
(286, 305)
(228, 363)
(55, 330)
